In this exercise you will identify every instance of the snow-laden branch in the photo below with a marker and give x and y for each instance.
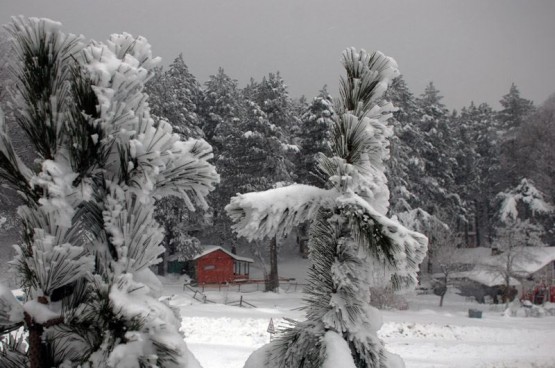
(276, 211)
(12, 169)
(402, 249)
(188, 173)
(56, 265)
(11, 311)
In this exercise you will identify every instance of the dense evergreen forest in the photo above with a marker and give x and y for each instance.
(480, 174)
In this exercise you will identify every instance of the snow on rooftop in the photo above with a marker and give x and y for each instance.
(212, 248)
(484, 277)
(528, 260)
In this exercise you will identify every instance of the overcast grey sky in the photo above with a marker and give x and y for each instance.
(471, 49)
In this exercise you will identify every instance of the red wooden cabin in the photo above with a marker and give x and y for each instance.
(215, 265)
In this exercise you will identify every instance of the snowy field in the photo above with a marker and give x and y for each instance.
(425, 336)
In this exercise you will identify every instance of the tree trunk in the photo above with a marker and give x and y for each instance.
(35, 342)
(272, 283)
(163, 266)
(441, 300)
(477, 224)
(444, 290)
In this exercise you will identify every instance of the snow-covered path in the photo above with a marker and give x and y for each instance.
(426, 336)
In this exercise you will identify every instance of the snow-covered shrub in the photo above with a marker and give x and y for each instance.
(90, 236)
(385, 299)
(526, 309)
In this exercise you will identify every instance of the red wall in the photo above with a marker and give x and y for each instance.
(215, 268)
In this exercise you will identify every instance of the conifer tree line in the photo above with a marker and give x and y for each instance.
(450, 164)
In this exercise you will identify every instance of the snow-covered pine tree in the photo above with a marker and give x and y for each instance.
(89, 231)
(525, 203)
(176, 96)
(273, 99)
(515, 109)
(436, 152)
(405, 167)
(255, 158)
(510, 119)
(223, 104)
(223, 111)
(314, 136)
(349, 231)
(476, 152)
(524, 218)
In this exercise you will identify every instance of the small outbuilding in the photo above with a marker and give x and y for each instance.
(216, 265)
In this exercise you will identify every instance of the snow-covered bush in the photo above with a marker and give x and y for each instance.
(349, 231)
(385, 298)
(89, 231)
(525, 308)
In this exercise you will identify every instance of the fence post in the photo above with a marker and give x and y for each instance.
(241, 301)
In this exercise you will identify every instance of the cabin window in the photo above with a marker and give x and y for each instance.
(209, 267)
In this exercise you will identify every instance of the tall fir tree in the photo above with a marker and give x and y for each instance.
(405, 167)
(272, 97)
(175, 96)
(223, 111)
(90, 234)
(436, 152)
(314, 137)
(349, 230)
(516, 110)
(475, 143)
(223, 104)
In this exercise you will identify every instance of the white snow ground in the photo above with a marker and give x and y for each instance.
(425, 336)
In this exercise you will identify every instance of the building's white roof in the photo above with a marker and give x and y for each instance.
(483, 277)
(527, 261)
(212, 248)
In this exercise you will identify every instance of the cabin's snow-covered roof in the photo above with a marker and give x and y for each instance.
(483, 277)
(212, 248)
(527, 261)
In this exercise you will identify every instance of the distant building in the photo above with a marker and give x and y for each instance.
(535, 267)
(216, 265)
